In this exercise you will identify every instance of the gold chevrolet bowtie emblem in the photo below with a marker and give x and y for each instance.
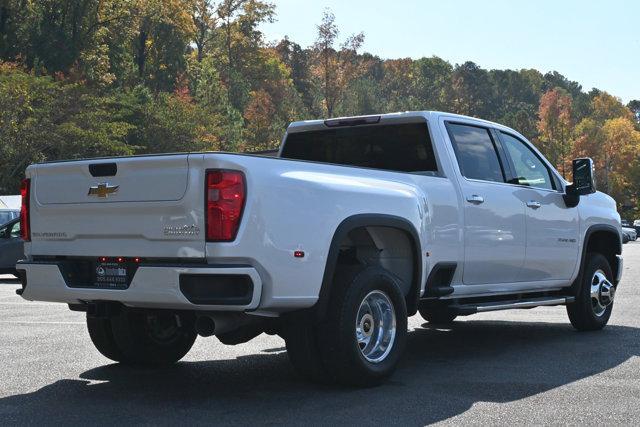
(103, 189)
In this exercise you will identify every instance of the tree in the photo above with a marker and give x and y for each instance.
(205, 22)
(432, 83)
(609, 136)
(396, 85)
(162, 33)
(210, 94)
(87, 77)
(614, 146)
(334, 68)
(271, 106)
(242, 41)
(555, 124)
(605, 106)
(472, 91)
(297, 61)
(621, 144)
(42, 119)
(523, 118)
(634, 106)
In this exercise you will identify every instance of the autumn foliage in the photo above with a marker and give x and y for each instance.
(82, 78)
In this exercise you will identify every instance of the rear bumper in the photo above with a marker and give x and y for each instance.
(151, 287)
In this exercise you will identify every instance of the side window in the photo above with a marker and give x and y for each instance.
(15, 230)
(476, 152)
(529, 168)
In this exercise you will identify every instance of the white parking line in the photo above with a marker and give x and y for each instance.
(28, 304)
(27, 322)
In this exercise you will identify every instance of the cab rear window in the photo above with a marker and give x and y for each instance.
(401, 148)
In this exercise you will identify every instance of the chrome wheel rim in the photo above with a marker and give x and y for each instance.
(602, 293)
(376, 326)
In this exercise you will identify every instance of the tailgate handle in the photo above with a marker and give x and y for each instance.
(103, 169)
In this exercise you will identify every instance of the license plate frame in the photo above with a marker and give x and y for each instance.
(111, 275)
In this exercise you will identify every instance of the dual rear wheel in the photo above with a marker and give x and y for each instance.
(141, 337)
(361, 338)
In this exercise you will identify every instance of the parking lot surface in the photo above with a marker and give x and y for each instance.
(525, 367)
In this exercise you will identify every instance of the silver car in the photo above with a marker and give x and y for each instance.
(11, 246)
(629, 234)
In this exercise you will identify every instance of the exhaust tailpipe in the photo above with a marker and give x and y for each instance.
(205, 326)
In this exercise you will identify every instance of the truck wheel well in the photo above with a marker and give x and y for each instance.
(385, 247)
(606, 243)
(381, 240)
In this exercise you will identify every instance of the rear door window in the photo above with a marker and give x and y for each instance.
(476, 152)
(401, 148)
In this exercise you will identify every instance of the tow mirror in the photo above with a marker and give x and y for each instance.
(583, 177)
(583, 181)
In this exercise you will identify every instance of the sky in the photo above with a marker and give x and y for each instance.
(596, 43)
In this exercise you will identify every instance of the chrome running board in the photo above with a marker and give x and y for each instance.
(472, 308)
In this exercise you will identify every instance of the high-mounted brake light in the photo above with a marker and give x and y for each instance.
(224, 198)
(352, 121)
(25, 223)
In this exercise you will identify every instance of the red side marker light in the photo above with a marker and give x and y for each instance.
(298, 254)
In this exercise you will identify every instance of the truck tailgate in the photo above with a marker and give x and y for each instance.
(151, 205)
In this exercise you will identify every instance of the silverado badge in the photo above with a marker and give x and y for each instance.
(103, 190)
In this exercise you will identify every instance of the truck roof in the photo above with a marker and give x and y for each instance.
(398, 117)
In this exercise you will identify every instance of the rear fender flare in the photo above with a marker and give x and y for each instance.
(370, 220)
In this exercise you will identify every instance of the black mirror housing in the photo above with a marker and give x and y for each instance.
(583, 176)
(583, 181)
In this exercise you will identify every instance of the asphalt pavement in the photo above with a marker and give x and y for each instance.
(522, 367)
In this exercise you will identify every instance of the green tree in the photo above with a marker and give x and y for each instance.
(432, 84)
(162, 32)
(205, 22)
(42, 119)
(634, 106)
(472, 91)
(241, 42)
(298, 62)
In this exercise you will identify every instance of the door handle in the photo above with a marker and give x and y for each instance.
(533, 204)
(475, 199)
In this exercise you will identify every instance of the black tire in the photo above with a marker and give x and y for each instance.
(301, 339)
(329, 351)
(437, 317)
(102, 338)
(582, 314)
(152, 337)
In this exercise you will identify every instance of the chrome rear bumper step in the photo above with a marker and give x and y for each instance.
(465, 309)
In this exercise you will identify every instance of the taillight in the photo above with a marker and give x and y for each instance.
(25, 226)
(225, 194)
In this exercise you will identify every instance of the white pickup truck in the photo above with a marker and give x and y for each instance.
(356, 225)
